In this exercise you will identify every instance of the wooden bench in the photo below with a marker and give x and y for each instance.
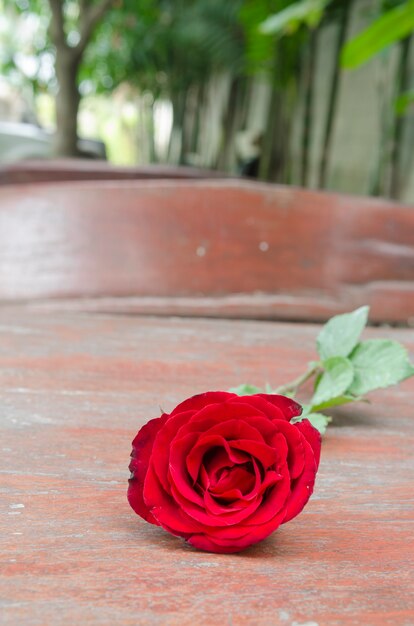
(215, 248)
(59, 170)
(75, 390)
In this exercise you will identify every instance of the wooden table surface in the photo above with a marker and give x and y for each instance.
(75, 389)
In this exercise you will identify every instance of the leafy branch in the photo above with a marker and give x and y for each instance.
(347, 370)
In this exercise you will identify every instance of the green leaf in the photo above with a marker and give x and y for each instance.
(246, 390)
(318, 420)
(335, 380)
(390, 27)
(338, 401)
(403, 101)
(379, 363)
(340, 334)
(289, 19)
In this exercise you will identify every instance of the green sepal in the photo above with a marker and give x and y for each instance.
(318, 421)
(246, 390)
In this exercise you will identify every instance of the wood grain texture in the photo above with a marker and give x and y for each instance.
(209, 248)
(59, 170)
(75, 389)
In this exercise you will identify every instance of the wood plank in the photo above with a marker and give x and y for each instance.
(390, 303)
(275, 252)
(75, 389)
(60, 170)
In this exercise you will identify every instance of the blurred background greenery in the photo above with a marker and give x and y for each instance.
(318, 93)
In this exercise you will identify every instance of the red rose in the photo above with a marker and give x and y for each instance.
(224, 471)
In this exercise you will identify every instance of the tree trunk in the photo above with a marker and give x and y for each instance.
(182, 128)
(199, 104)
(377, 183)
(402, 83)
(270, 142)
(334, 89)
(67, 64)
(176, 147)
(67, 104)
(310, 66)
(230, 125)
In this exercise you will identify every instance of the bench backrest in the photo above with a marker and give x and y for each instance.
(210, 247)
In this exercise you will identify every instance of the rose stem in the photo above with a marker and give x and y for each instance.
(294, 385)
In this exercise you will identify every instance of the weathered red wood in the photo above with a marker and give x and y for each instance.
(24, 172)
(391, 303)
(75, 389)
(296, 254)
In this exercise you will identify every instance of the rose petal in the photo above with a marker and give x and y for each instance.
(213, 463)
(259, 401)
(247, 496)
(161, 451)
(224, 471)
(165, 509)
(261, 451)
(204, 479)
(274, 500)
(210, 520)
(202, 542)
(232, 544)
(289, 407)
(141, 454)
(204, 444)
(312, 436)
(294, 439)
(201, 400)
(214, 414)
(215, 508)
(302, 487)
(238, 428)
(263, 425)
(177, 471)
(237, 478)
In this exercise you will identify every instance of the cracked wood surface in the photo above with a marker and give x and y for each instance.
(209, 248)
(74, 391)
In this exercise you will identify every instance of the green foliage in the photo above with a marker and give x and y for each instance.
(172, 49)
(340, 334)
(281, 60)
(403, 102)
(318, 421)
(246, 390)
(259, 48)
(392, 26)
(379, 363)
(287, 21)
(26, 55)
(349, 368)
(337, 376)
(119, 45)
(370, 365)
(166, 47)
(334, 401)
(159, 45)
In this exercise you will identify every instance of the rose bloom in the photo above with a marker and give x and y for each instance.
(224, 471)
